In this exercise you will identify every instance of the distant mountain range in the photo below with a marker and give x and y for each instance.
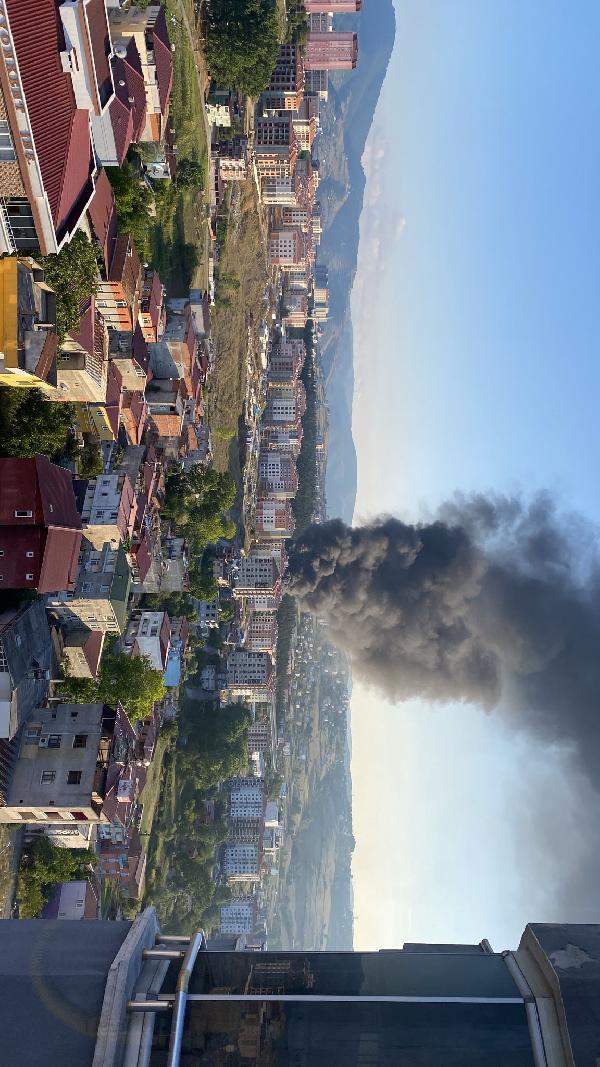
(345, 122)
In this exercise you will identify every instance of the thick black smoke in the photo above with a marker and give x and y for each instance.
(495, 603)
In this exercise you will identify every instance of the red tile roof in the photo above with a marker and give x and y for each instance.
(92, 650)
(128, 69)
(101, 46)
(152, 297)
(163, 60)
(61, 132)
(122, 123)
(103, 217)
(143, 557)
(46, 365)
(140, 350)
(125, 268)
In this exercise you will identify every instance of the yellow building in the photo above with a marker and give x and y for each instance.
(28, 341)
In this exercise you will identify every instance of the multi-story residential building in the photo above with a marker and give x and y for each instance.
(61, 771)
(82, 365)
(47, 81)
(321, 22)
(321, 293)
(148, 635)
(249, 670)
(316, 83)
(127, 110)
(118, 298)
(295, 308)
(275, 146)
(274, 518)
(288, 439)
(274, 549)
(257, 571)
(101, 594)
(331, 51)
(286, 360)
(278, 474)
(148, 27)
(337, 7)
(108, 505)
(306, 123)
(28, 341)
(285, 405)
(238, 916)
(247, 798)
(278, 190)
(242, 862)
(40, 527)
(296, 217)
(26, 667)
(208, 613)
(81, 651)
(287, 80)
(287, 248)
(260, 737)
(152, 307)
(261, 632)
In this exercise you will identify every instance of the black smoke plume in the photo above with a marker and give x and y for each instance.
(495, 603)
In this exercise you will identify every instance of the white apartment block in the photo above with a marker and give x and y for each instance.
(256, 571)
(248, 669)
(237, 917)
(149, 636)
(241, 863)
(247, 803)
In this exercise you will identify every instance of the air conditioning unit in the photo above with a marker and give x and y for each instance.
(43, 742)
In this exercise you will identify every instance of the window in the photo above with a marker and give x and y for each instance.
(23, 514)
(28, 555)
(74, 778)
(7, 149)
(54, 741)
(47, 777)
(80, 741)
(74, 714)
(1, 551)
(28, 816)
(29, 577)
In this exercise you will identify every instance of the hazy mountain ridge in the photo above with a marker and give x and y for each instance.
(346, 121)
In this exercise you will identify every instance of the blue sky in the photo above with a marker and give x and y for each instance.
(475, 311)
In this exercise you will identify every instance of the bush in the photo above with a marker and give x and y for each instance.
(133, 201)
(73, 274)
(30, 424)
(43, 866)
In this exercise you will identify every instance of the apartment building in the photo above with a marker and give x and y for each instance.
(274, 518)
(108, 506)
(82, 364)
(331, 51)
(286, 361)
(27, 664)
(249, 670)
(337, 7)
(40, 527)
(101, 594)
(238, 916)
(278, 474)
(148, 635)
(28, 341)
(275, 146)
(261, 632)
(148, 28)
(118, 297)
(241, 862)
(285, 406)
(247, 799)
(256, 571)
(47, 163)
(60, 774)
(287, 248)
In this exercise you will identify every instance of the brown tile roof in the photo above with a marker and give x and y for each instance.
(101, 46)
(163, 60)
(128, 69)
(125, 267)
(122, 123)
(166, 425)
(103, 217)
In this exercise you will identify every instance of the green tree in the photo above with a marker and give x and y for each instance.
(73, 274)
(129, 680)
(31, 424)
(42, 867)
(195, 501)
(176, 605)
(242, 43)
(190, 174)
(133, 200)
(90, 461)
